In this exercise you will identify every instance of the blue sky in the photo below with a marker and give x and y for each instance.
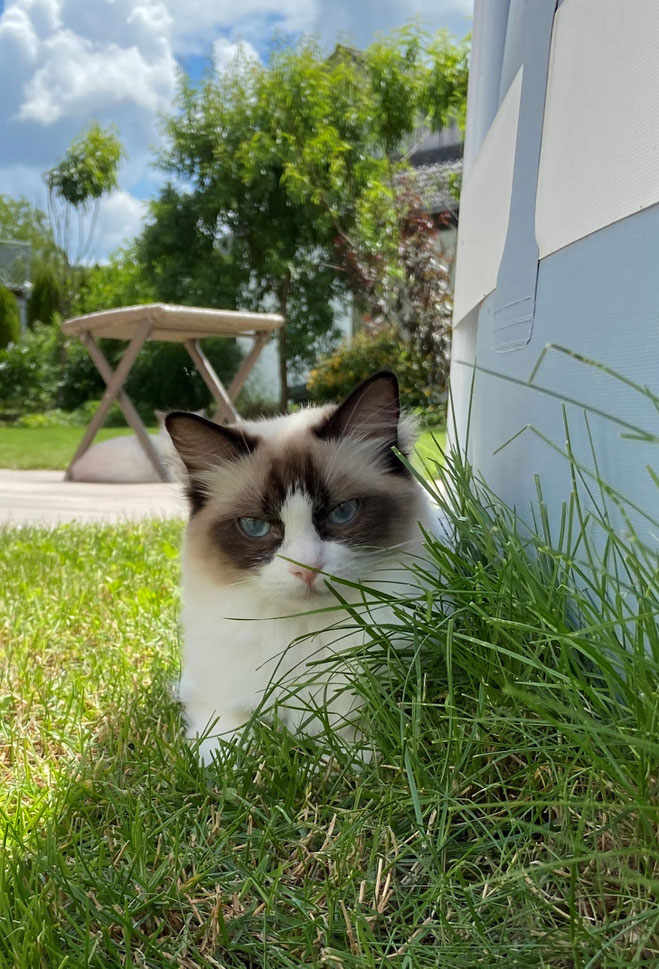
(67, 62)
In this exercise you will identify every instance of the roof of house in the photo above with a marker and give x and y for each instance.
(436, 160)
(433, 182)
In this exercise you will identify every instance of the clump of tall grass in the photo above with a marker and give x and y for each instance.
(512, 702)
(509, 815)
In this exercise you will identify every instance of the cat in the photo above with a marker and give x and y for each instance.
(276, 507)
(123, 460)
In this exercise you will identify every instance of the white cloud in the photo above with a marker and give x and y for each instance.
(197, 20)
(360, 22)
(77, 78)
(24, 180)
(119, 220)
(72, 61)
(18, 39)
(58, 72)
(225, 51)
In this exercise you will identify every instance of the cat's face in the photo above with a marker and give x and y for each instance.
(276, 502)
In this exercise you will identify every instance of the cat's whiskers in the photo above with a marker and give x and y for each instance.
(319, 575)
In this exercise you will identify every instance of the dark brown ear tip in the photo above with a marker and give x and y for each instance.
(174, 416)
(388, 383)
(172, 419)
(383, 373)
(387, 375)
(372, 409)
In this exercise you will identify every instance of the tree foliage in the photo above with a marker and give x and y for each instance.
(180, 257)
(20, 220)
(30, 372)
(276, 168)
(337, 373)
(87, 172)
(46, 297)
(89, 167)
(119, 282)
(403, 279)
(10, 321)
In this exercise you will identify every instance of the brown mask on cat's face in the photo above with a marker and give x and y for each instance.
(331, 456)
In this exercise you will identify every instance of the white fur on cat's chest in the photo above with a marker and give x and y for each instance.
(237, 649)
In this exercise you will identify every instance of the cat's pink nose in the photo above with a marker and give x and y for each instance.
(304, 575)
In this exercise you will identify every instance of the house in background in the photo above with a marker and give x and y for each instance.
(436, 160)
(559, 244)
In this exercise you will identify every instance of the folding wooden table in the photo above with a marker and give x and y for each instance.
(175, 324)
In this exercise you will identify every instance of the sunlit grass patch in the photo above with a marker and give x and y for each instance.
(50, 448)
(509, 818)
(28, 448)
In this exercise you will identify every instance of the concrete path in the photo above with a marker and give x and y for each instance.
(44, 498)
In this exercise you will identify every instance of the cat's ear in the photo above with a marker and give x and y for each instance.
(372, 410)
(203, 445)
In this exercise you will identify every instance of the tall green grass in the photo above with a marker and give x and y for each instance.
(508, 817)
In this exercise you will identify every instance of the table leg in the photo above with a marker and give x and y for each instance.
(225, 407)
(114, 391)
(260, 340)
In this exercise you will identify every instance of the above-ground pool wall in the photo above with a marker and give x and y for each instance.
(559, 244)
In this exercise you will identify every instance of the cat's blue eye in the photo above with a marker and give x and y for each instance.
(343, 513)
(254, 527)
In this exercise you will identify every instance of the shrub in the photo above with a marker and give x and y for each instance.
(30, 373)
(56, 417)
(80, 380)
(251, 405)
(164, 375)
(10, 321)
(46, 298)
(336, 374)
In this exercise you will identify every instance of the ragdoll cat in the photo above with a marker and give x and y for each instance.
(277, 506)
(122, 460)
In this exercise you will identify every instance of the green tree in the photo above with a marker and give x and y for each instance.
(403, 279)
(89, 168)
(10, 323)
(119, 282)
(76, 185)
(286, 163)
(180, 256)
(20, 220)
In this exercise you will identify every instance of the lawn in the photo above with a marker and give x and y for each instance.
(53, 447)
(509, 818)
(430, 446)
(28, 448)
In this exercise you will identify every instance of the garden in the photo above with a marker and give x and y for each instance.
(508, 813)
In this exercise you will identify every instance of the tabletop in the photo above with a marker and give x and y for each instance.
(175, 324)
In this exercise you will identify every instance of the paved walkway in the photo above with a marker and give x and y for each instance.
(44, 498)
